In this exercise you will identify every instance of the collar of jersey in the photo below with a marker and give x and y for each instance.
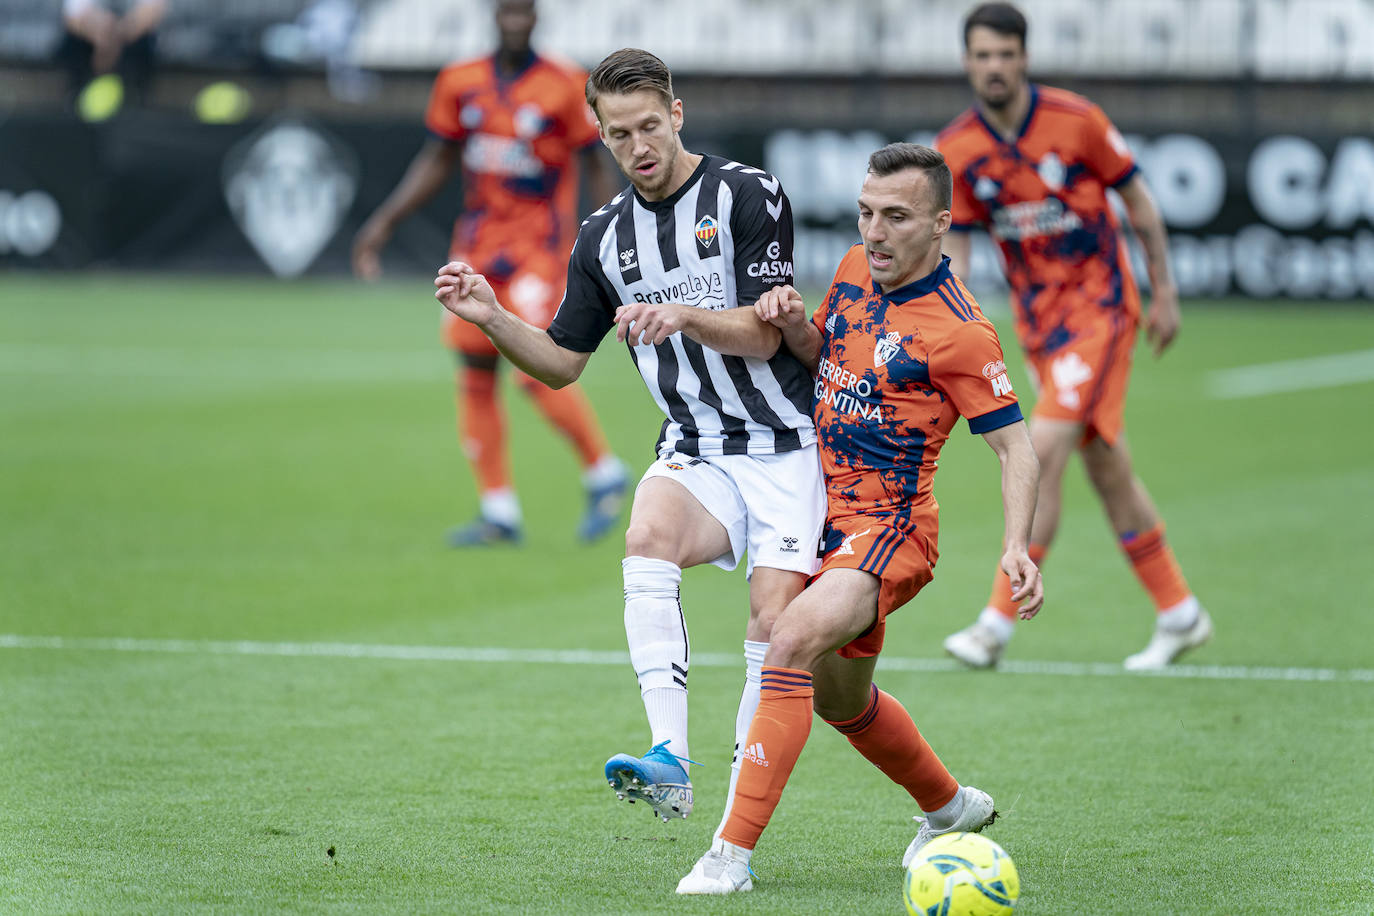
(1025, 125)
(504, 77)
(671, 200)
(918, 288)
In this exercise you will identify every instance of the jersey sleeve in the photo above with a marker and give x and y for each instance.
(967, 366)
(761, 226)
(443, 115)
(587, 310)
(1105, 150)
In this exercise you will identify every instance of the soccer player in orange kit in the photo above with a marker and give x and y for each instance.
(1032, 165)
(901, 351)
(519, 124)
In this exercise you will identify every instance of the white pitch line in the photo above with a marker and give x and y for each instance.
(1292, 375)
(593, 657)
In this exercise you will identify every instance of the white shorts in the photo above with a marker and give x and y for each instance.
(773, 506)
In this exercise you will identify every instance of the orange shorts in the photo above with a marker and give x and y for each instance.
(1085, 380)
(532, 289)
(898, 558)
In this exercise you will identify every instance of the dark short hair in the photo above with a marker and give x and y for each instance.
(630, 70)
(1002, 18)
(898, 157)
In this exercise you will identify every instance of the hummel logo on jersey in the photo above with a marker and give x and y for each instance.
(846, 548)
(754, 754)
(887, 348)
(706, 230)
(789, 545)
(627, 260)
(1069, 372)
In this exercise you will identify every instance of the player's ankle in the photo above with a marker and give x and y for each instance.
(998, 623)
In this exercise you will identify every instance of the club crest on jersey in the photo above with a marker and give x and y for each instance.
(529, 122)
(986, 189)
(887, 348)
(628, 260)
(470, 116)
(706, 230)
(1052, 172)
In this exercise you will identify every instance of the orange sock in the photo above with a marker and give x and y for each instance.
(1000, 599)
(776, 738)
(886, 735)
(1155, 566)
(482, 427)
(571, 413)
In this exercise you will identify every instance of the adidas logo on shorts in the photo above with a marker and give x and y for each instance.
(754, 754)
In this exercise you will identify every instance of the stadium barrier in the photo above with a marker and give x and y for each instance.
(1264, 216)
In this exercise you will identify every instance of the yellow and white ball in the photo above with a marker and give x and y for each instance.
(961, 874)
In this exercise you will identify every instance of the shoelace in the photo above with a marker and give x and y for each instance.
(662, 747)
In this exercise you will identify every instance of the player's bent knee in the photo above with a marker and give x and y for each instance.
(654, 538)
(795, 644)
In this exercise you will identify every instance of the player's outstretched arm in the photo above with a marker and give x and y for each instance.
(733, 332)
(782, 307)
(1163, 319)
(467, 294)
(1020, 480)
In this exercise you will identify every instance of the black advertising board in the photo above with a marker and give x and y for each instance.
(1264, 216)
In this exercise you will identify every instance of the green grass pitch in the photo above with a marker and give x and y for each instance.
(215, 460)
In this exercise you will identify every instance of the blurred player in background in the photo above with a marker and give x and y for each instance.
(675, 261)
(1033, 164)
(519, 124)
(109, 36)
(901, 352)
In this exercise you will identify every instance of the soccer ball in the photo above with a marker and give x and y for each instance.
(961, 874)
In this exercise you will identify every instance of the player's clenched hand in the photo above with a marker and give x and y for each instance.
(1027, 590)
(649, 322)
(1163, 320)
(781, 306)
(465, 293)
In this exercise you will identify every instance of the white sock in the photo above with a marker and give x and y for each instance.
(657, 635)
(608, 470)
(1000, 626)
(946, 816)
(739, 853)
(748, 705)
(1179, 617)
(501, 506)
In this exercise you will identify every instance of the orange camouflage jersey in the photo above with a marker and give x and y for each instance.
(521, 135)
(1043, 198)
(896, 372)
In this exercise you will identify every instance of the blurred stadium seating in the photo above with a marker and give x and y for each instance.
(1251, 119)
(1273, 39)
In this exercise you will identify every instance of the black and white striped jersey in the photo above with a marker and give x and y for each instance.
(718, 242)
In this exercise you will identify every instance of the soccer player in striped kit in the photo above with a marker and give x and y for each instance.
(674, 262)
